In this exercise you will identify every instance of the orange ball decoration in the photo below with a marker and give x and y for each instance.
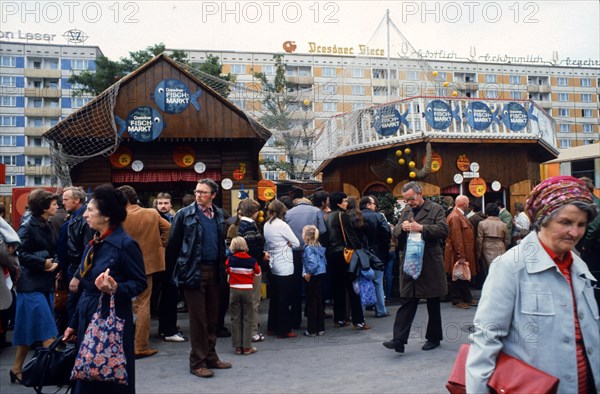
(401, 162)
(411, 164)
(399, 153)
(407, 151)
(389, 181)
(412, 174)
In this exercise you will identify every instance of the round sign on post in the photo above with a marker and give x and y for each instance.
(267, 190)
(463, 163)
(226, 183)
(121, 157)
(200, 167)
(474, 166)
(477, 187)
(458, 179)
(496, 186)
(184, 156)
(137, 165)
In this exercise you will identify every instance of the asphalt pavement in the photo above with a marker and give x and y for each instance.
(342, 361)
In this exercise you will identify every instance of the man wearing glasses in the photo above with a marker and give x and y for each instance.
(197, 245)
(428, 219)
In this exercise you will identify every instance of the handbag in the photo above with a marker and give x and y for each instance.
(101, 356)
(61, 295)
(461, 271)
(413, 258)
(510, 376)
(348, 252)
(50, 366)
(366, 289)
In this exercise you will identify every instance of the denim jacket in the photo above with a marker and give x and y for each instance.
(313, 260)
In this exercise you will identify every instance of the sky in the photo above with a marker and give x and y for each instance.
(551, 30)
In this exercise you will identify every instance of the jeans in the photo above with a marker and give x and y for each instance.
(389, 274)
(380, 308)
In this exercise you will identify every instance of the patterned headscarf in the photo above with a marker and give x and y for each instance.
(554, 193)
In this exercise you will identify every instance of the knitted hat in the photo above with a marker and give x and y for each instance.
(554, 193)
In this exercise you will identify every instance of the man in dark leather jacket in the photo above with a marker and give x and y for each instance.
(78, 234)
(197, 246)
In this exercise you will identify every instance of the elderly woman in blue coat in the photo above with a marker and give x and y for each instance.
(537, 303)
(112, 264)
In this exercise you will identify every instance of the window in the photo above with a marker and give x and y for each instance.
(54, 103)
(11, 180)
(238, 69)
(588, 142)
(298, 71)
(8, 140)
(77, 64)
(515, 95)
(357, 106)
(329, 106)
(8, 61)
(564, 143)
(442, 75)
(8, 121)
(490, 78)
(268, 69)
(9, 160)
(8, 81)
(588, 128)
(358, 90)
(563, 97)
(37, 64)
(37, 103)
(565, 128)
(563, 81)
(78, 102)
(379, 91)
(515, 80)
(328, 71)
(36, 122)
(413, 76)
(586, 98)
(37, 181)
(563, 112)
(358, 73)
(492, 94)
(37, 84)
(8, 101)
(53, 122)
(586, 82)
(587, 113)
(35, 141)
(52, 85)
(52, 64)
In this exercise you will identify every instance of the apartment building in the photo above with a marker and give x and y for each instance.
(35, 95)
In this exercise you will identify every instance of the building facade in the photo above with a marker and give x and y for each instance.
(34, 96)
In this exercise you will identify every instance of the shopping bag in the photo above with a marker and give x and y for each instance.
(413, 257)
(101, 356)
(366, 289)
(461, 271)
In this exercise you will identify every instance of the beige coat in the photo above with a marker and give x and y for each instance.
(151, 231)
(492, 239)
(460, 243)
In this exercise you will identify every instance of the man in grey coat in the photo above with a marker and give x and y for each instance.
(428, 219)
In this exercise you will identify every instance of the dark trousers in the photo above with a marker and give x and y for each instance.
(203, 308)
(296, 284)
(342, 286)
(167, 302)
(223, 304)
(314, 305)
(406, 314)
(279, 321)
(459, 291)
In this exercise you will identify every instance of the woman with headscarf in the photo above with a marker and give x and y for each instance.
(112, 263)
(538, 302)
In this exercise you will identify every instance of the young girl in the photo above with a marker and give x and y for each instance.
(242, 268)
(314, 265)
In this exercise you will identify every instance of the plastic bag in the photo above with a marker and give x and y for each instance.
(365, 288)
(413, 258)
(461, 271)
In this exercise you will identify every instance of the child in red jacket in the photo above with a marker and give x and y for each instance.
(242, 268)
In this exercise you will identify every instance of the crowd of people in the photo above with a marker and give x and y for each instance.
(152, 259)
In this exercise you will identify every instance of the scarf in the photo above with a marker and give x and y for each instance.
(93, 245)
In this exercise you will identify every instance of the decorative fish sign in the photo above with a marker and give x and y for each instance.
(388, 120)
(439, 115)
(143, 124)
(173, 96)
(478, 115)
(514, 116)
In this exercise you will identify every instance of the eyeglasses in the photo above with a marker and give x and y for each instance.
(202, 192)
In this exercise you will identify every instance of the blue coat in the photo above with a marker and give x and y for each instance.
(123, 256)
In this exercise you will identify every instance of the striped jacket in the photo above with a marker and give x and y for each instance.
(242, 268)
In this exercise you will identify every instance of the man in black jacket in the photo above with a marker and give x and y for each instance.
(197, 246)
(378, 241)
(78, 234)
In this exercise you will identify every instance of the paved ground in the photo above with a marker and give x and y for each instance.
(342, 361)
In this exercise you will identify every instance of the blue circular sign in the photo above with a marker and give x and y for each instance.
(173, 96)
(514, 116)
(144, 124)
(438, 114)
(387, 121)
(478, 115)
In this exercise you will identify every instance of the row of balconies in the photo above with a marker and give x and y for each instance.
(38, 170)
(48, 112)
(43, 92)
(36, 151)
(42, 73)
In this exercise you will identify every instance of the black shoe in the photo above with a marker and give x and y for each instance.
(429, 345)
(395, 345)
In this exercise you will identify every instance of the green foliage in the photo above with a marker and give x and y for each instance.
(107, 72)
(389, 207)
(275, 101)
(213, 68)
